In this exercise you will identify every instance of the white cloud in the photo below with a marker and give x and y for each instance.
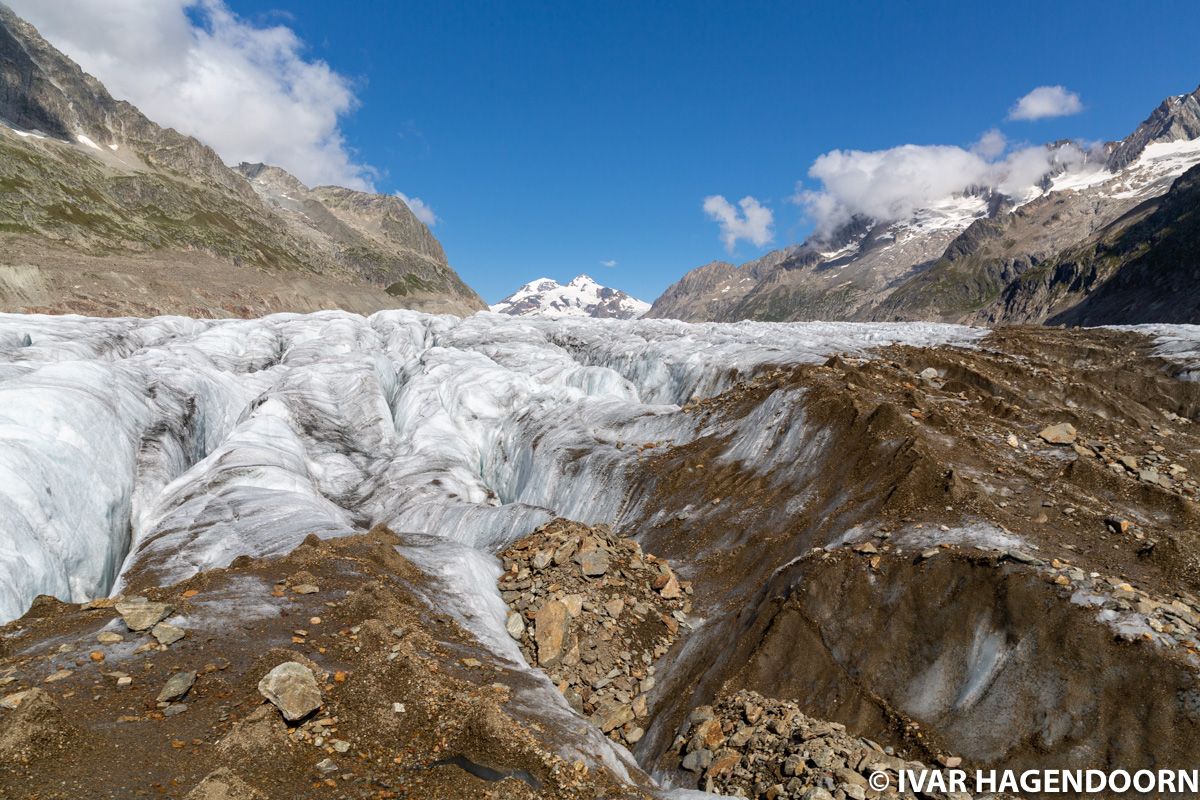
(991, 144)
(610, 263)
(752, 223)
(1046, 101)
(249, 92)
(886, 185)
(420, 209)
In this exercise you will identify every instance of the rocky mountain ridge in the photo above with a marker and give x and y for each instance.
(105, 212)
(953, 260)
(582, 297)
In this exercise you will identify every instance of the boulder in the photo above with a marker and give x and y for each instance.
(293, 689)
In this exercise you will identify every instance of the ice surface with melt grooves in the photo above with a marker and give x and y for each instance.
(1178, 343)
(176, 445)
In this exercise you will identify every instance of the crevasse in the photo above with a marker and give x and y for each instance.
(176, 445)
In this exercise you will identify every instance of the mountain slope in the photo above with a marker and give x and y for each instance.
(97, 199)
(952, 260)
(582, 297)
(1144, 265)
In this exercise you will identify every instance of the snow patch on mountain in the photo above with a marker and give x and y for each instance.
(582, 297)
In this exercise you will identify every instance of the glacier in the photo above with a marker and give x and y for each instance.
(174, 445)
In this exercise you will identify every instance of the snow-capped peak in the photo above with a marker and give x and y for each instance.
(582, 297)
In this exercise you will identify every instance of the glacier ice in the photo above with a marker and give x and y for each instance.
(1178, 343)
(177, 444)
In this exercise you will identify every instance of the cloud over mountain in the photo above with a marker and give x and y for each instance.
(251, 92)
(890, 184)
(749, 220)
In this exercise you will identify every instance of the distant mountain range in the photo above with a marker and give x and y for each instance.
(582, 297)
(104, 212)
(1095, 242)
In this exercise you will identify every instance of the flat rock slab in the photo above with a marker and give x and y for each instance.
(142, 615)
(167, 634)
(176, 687)
(1062, 433)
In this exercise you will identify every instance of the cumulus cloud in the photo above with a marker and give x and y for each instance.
(886, 185)
(1046, 101)
(991, 144)
(250, 92)
(752, 223)
(420, 209)
(610, 263)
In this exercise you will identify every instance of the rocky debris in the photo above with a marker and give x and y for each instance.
(410, 702)
(1132, 613)
(31, 724)
(594, 612)
(751, 746)
(177, 687)
(1154, 466)
(223, 784)
(293, 689)
(140, 614)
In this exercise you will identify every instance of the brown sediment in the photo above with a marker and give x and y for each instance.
(886, 464)
(413, 705)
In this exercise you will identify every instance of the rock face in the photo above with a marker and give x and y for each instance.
(103, 211)
(1143, 266)
(601, 612)
(985, 256)
(293, 689)
(582, 297)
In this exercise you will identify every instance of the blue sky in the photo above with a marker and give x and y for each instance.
(551, 137)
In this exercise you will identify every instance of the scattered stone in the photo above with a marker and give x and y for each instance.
(141, 614)
(1062, 433)
(293, 689)
(306, 588)
(109, 637)
(55, 677)
(551, 632)
(167, 634)
(515, 625)
(174, 709)
(177, 687)
(594, 562)
(326, 766)
(13, 701)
